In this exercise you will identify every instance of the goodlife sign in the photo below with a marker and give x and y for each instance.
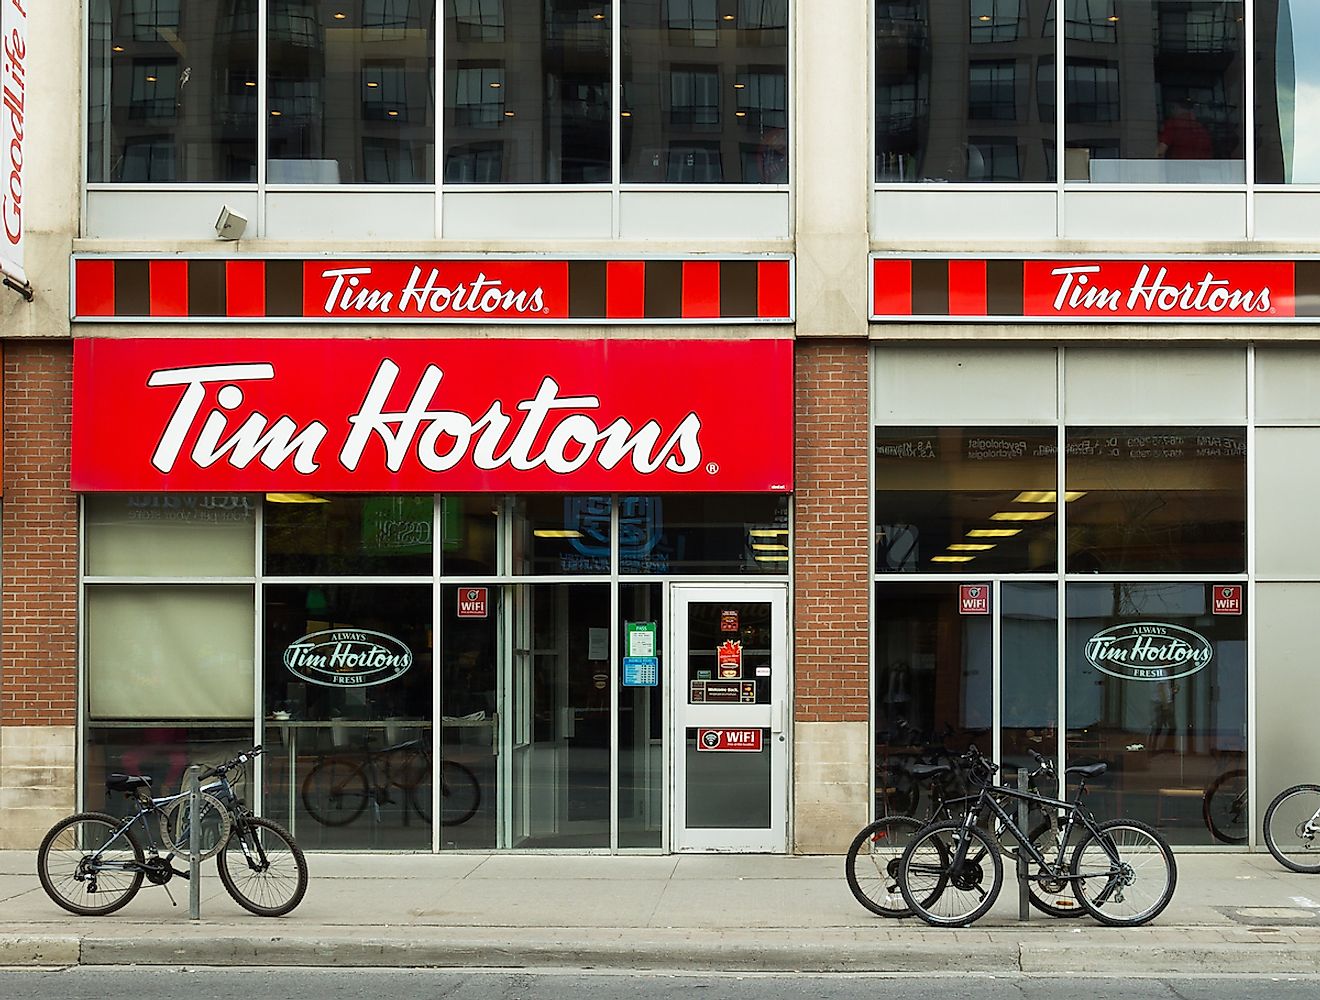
(15, 61)
(628, 416)
(1096, 289)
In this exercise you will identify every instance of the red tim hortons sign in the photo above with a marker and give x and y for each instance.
(1102, 290)
(400, 415)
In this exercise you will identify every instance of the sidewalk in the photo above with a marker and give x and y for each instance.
(1231, 913)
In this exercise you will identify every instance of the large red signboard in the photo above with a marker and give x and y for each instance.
(1096, 289)
(628, 416)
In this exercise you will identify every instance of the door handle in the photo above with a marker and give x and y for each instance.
(779, 717)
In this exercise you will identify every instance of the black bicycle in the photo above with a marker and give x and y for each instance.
(93, 863)
(1122, 871)
(338, 788)
(871, 864)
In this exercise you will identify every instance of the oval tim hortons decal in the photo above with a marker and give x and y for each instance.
(1148, 651)
(344, 657)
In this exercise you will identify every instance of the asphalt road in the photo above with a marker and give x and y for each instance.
(113, 983)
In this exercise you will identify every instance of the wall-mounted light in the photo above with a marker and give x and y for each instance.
(230, 225)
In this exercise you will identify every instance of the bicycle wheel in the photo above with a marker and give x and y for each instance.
(335, 792)
(262, 868)
(412, 774)
(950, 874)
(1053, 896)
(1224, 807)
(1291, 828)
(175, 820)
(81, 860)
(460, 793)
(1124, 877)
(872, 864)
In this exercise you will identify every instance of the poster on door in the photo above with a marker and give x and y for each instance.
(728, 659)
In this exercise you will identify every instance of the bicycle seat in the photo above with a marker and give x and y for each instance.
(1088, 770)
(924, 772)
(126, 782)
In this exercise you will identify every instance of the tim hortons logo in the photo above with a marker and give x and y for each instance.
(351, 290)
(1152, 292)
(438, 439)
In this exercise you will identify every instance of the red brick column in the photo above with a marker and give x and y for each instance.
(831, 636)
(38, 539)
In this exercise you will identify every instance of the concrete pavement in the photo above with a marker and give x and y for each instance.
(1238, 913)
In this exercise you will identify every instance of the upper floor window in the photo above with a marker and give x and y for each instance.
(350, 91)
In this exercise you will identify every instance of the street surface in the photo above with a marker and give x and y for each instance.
(114, 983)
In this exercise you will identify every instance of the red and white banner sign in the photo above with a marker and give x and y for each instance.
(729, 739)
(1095, 289)
(626, 416)
(974, 599)
(13, 129)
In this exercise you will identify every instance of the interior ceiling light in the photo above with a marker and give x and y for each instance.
(496, 85)
(728, 17)
(953, 559)
(509, 114)
(393, 114)
(151, 79)
(769, 547)
(994, 532)
(598, 17)
(971, 547)
(740, 86)
(295, 498)
(276, 114)
(767, 532)
(1022, 515)
(625, 114)
(372, 83)
(1047, 496)
(557, 533)
(762, 558)
(340, 15)
(249, 83)
(116, 48)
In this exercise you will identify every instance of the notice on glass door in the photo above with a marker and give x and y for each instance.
(641, 638)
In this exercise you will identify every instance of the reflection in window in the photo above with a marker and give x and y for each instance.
(1166, 499)
(479, 96)
(322, 50)
(717, 73)
(1287, 42)
(171, 92)
(1092, 91)
(478, 20)
(926, 105)
(1091, 20)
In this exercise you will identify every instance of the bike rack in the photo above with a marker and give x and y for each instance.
(1024, 892)
(194, 842)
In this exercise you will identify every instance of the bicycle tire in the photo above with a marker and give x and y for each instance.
(1053, 897)
(871, 865)
(1139, 851)
(335, 792)
(62, 856)
(262, 868)
(929, 884)
(460, 794)
(1280, 841)
(1224, 807)
(216, 826)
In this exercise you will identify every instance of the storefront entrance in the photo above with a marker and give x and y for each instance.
(729, 716)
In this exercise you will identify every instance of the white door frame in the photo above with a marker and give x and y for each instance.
(772, 719)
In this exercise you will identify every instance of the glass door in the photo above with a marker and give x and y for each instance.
(729, 684)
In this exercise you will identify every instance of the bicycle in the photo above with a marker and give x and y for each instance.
(96, 854)
(1292, 821)
(1224, 807)
(871, 864)
(943, 872)
(337, 789)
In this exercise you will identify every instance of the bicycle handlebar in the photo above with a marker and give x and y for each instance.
(233, 764)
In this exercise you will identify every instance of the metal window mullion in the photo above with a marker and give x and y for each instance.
(437, 661)
(1060, 130)
(263, 112)
(1249, 114)
(438, 96)
(1061, 587)
(1253, 787)
(616, 122)
(614, 674)
(996, 672)
(259, 668)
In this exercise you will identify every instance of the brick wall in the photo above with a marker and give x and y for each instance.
(831, 635)
(38, 539)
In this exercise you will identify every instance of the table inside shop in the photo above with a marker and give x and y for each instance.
(290, 728)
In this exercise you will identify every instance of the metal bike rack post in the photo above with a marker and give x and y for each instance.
(1024, 893)
(194, 842)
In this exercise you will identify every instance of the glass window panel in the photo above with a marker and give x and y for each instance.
(1155, 90)
(308, 534)
(169, 652)
(944, 73)
(1157, 688)
(1029, 685)
(965, 499)
(705, 92)
(169, 534)
(351, 91)
(171, 92)
(469, 714)
(1157, 499)
(933, 687)
(641, 721)
(468, 535)
(704, 534)
(1287, 42)
(536, 75)
(347, 680)
(161, 749)
(554, 535)
(727, 790)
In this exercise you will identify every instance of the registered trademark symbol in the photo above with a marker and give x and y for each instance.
(545, 309)
(712, 467)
